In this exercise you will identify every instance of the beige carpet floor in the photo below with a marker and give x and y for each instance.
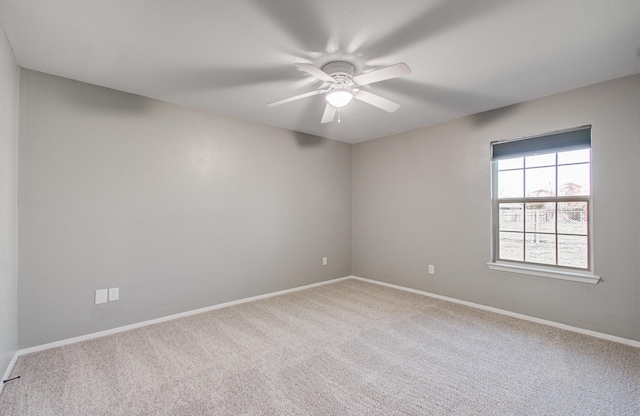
(346, 348)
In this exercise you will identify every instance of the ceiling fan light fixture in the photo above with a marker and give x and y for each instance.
(339, 98)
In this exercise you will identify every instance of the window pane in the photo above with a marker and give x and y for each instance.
(515, 163)
(574, 156)
(574, 180)
(510, 217)
(540, 160)
(540, 248)
(548, 189)
(540, 182)
(510, 184)
(541, 217)
(572, 218)
(511, 247)
(573, 251)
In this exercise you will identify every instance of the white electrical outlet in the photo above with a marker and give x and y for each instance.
(101, 296)
(432, 269)
(324, 261)
(114, 294)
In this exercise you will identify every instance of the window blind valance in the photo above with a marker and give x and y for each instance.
(560, 141)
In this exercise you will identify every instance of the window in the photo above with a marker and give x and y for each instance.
(542, 201)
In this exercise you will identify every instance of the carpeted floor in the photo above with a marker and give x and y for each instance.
(346, 348)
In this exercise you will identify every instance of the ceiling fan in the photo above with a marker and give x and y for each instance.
(341, 86)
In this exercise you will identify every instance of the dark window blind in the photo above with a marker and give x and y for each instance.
(574, 139)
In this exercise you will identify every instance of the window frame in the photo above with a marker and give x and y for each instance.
(585, 275)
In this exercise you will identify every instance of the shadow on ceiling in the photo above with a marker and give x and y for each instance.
(444, 16)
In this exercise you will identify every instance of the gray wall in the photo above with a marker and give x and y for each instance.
(183, 209)
(9, 83)
(180, 209)
(424, 197)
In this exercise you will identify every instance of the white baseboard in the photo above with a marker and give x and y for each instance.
(508, 313)
(166, 318)
(9, 368)
(282, 292)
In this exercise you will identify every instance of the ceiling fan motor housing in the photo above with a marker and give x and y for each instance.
(342, 72)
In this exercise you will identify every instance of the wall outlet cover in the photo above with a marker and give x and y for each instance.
(101, 296)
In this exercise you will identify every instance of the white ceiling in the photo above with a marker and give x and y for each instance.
(235, 56)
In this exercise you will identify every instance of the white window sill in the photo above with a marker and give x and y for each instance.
(585, 277)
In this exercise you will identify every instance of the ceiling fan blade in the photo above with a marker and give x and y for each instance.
(382, 74)
(315, 71)
(329, 113)
(376, 101)
(295, 97)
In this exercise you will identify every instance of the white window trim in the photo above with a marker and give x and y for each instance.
(553, 273)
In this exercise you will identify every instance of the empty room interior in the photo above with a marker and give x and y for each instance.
(319, 207)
